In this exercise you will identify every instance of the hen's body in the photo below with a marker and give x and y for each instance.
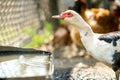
(100, 20)
(103, 47)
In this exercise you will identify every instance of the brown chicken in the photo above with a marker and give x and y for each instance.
(61, 36)
(100, 20)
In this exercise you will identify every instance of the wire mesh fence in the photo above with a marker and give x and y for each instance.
(15, 15)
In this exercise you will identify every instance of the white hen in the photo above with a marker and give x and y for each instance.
(103, 47)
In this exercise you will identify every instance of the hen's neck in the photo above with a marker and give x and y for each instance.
(86, 33)
(84, 29)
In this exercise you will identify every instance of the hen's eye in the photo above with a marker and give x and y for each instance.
(68, 13)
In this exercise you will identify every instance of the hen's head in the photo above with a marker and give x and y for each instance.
(68, 16)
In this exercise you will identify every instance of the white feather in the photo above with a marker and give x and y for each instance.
(100, 50)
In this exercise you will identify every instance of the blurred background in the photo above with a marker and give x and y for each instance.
(28, 24)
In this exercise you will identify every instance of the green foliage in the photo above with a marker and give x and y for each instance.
(27, 30)
(48, 27)
(62, 21)
(40, 38)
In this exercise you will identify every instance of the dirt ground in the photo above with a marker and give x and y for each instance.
(72, 63)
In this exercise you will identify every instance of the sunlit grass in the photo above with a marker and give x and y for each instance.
(62, 21)
(40, 38)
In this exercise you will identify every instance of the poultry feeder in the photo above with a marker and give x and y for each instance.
(19, 63)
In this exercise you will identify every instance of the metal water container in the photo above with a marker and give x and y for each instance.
(23, 64)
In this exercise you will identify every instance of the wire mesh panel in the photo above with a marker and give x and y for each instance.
(15, 15)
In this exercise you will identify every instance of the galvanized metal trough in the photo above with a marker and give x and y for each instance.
(20, 63)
